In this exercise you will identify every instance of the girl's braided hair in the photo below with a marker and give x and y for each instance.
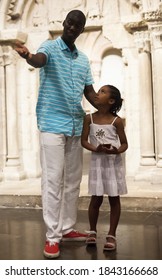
(116, 95)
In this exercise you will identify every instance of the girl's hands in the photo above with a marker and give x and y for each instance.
(99, 148)
(103, 149)
(112, 150)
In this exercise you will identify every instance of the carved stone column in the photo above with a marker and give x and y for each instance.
(146, 100)
(156, 40)
(34, 170)
(13, 169)
(2, 115)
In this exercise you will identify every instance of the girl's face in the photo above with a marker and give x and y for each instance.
(103, 96)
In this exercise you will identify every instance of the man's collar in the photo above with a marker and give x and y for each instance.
(63, 46)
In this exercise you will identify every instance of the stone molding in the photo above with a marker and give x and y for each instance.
(153, 16)
(11, 36)
(15, 9)
(156, 35)
(142, 41)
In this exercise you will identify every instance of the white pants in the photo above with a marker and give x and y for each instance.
(61, 162)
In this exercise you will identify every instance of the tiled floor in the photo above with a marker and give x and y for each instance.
(139, 236)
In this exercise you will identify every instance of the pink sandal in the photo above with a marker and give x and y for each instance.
(91, 239)
(110, 246)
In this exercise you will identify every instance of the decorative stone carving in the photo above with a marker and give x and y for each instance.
(136, 3)
(156, 36)
(94, 11)
(9, 154)
(133, 26)
(153, 15)
(39, 17)
(60, 11)
(13, 169)
(142, 41)
(15, 9)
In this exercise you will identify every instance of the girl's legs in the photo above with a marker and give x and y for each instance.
(115, 210)
(93, 211)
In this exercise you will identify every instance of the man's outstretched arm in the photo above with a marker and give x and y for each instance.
(36, 60)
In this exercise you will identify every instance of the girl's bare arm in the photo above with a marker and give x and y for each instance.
(122, 136)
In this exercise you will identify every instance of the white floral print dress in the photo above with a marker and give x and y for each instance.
(106, 174)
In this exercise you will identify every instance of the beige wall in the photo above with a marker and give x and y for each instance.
(131, 29)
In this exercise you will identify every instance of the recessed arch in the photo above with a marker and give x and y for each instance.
(112, 72)
(112, 68)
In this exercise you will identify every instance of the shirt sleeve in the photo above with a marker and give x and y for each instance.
(45, 48)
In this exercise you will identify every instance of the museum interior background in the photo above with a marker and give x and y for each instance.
(123, 41)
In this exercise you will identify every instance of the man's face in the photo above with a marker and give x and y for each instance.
(73, 27)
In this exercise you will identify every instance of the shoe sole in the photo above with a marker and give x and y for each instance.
(88, 242)
(91, 243)
(74, 239)
(51, 256)
(109, 248)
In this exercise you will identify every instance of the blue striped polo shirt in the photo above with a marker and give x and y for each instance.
(62, 82)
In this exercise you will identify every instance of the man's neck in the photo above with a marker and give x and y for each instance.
(70, 45)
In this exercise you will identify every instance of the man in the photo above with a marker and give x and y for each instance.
(64, 76)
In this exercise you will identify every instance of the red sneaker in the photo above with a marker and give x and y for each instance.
(74, 236)
(51, 250)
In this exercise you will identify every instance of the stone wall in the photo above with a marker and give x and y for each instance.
(132, 28)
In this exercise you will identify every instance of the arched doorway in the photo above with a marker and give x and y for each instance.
(112, 72)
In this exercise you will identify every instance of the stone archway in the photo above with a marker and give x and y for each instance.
(119, 27)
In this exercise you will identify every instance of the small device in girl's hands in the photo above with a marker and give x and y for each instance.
(108, 146)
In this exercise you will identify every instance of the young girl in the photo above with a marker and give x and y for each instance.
(103, 134)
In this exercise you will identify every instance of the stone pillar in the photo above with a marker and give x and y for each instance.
(2, 115)
(146, 100)
(156, 40)
(35, 169)
(13, 169)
